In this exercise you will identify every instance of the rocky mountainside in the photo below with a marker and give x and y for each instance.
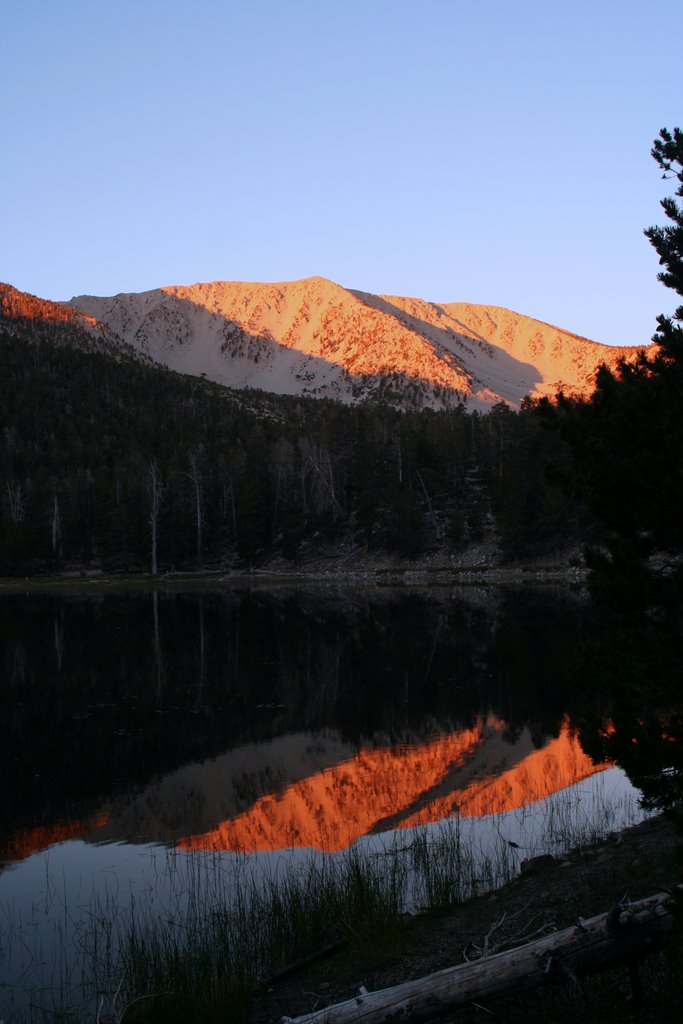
(313, 337)
(22, 313)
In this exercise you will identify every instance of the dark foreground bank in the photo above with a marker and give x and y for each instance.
(629, 866)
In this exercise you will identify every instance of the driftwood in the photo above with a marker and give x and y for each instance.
(624, 935)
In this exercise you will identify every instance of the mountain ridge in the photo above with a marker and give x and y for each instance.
(63, 324)
(315, 337)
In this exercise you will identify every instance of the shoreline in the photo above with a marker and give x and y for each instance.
(478, 566)
(625, 866)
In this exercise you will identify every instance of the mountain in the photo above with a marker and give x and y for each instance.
(315, 790)
(473, 772)
(25, 315)
(100, 440)
(313, 337)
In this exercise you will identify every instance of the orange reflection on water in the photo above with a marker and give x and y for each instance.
(26, 841)
(473, 772)
(559, 764)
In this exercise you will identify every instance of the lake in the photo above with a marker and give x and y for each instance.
(150, 737)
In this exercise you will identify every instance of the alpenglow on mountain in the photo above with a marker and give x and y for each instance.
(313, 337)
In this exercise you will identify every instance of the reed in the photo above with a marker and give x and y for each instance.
(214, 929)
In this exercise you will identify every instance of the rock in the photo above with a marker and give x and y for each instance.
(534, 864)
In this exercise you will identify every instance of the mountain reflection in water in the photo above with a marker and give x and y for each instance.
(158, 750)
(259, 720)
(472, 773)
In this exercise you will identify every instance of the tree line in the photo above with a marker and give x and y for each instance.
(109, 461)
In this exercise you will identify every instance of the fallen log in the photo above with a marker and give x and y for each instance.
(624, 935)
(305, 961)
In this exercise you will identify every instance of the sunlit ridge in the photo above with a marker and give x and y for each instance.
(398, 787)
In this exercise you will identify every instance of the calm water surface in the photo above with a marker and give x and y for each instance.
(139, 732)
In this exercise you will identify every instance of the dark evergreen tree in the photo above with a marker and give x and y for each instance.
(668, 240)
(627, 442)
(108, 460)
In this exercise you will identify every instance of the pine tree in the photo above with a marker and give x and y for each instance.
(627, 441)
(668, 240)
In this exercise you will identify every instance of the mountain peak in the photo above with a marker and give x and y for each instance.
(312, 336)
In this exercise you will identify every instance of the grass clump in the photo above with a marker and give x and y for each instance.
(213, 928)
(204, 965)
(447, 868)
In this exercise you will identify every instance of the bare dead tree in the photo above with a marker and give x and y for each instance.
(155, 493)
(196, 477)
(227, 505)
(56, 528)
(318, 471)
(16, 500)
(158, 654)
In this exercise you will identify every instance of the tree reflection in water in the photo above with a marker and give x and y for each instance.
(635, 715)
(115, 696)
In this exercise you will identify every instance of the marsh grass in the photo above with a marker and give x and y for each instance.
(213, 929)
(226, 942)
(213, 961)
(449, 868)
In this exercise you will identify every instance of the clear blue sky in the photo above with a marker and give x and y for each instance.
(477, 150)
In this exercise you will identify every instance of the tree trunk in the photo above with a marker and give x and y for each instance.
(56, 529)
(155, 491)
(195, 475)
(624, 935)
(157, 643)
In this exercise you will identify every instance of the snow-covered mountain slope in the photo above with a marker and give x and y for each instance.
(316, 338)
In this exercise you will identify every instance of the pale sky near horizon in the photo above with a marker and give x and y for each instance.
(490, 151)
